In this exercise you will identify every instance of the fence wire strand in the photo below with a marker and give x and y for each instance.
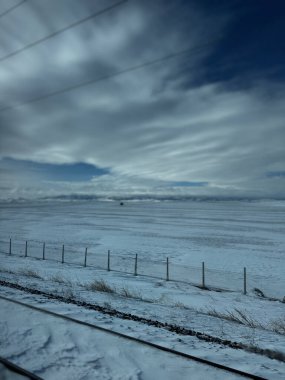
(52, 251)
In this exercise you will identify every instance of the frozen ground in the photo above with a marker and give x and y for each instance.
(53, 348)
(249, 234)
(174, 303)
(227, 236)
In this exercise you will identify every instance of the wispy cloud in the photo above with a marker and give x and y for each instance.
(157, 126)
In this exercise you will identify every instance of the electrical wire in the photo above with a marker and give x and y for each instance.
(12, 8)
(112, 75)
(56, 33)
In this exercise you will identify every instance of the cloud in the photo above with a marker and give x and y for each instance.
(150, 127)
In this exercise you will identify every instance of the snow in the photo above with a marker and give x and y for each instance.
(226, 235)
(54, 348)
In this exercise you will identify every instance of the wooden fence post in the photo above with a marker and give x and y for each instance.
(136, 265)
(62, 254)
(167, 269)
(44, 250)
(244, 280)
(108, 265)
(203, 274)
(26, 249)
(10, 247)
(85, 258)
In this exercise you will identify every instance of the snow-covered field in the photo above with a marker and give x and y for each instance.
(226, 235)
(85, 353)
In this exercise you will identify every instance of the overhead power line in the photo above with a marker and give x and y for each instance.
(112, 75)
(12, 8)
(56, 33)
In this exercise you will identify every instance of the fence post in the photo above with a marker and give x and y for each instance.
(44, 250)
(203, 274)
(167, 269)
(244, 280)
(62, 254)
(26, 249)
(108, 267)
(85, 258)
(136, 265)
(10, 247)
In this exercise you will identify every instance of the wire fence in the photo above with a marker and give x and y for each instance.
(202, 276)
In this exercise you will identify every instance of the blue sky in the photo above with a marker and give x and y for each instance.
(252, 49)
(52, 172)
(206, 123)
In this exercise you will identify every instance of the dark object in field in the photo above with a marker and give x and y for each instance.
(121, 203)
(259, 292)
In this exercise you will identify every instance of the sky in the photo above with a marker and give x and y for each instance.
(164, 99)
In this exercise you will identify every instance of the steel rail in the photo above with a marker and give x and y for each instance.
(272, 354)
(21, 371)
(137, 340)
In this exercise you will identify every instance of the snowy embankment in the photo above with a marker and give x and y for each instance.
(90, 353)
(253, 322)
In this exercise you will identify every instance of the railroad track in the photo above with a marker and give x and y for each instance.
(150, 322)
(133, 339)
(11, 367)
